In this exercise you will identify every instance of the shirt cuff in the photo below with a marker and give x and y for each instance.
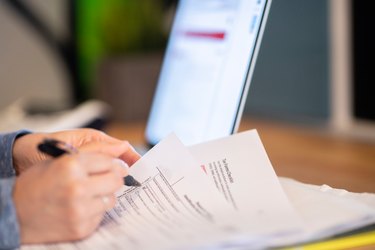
(6, 152)
(9, 228)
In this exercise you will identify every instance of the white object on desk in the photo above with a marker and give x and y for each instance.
(16, 117)
(178, 207)
(183, 200)
(327, 211)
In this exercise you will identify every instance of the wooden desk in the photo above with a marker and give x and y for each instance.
(307, 155)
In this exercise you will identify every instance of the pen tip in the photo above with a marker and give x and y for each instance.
(137, 184)
(131, 182)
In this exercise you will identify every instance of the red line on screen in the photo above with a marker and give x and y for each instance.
(208, 35)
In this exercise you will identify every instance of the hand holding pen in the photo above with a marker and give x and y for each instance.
(55, 148)
(65, 198)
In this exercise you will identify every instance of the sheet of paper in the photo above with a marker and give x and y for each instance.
(324, 211)
(328, 211)
(176, 207)
(239, 168)
(221, 194)
(364, 198)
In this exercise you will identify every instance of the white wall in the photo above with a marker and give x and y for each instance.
(28, 68)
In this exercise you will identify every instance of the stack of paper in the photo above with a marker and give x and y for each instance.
(327, 211)
(220, 194)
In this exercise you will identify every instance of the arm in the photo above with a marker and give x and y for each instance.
(6, 155)
(9, 231)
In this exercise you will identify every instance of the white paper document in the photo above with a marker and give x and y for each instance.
(240, 169)
(240, 162)
(327, 211)
(222, 194)
(178, 207)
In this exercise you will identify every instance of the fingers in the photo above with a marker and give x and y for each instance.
(92, 163)
(130, 156)
(96, 193)
(122, 150)
(105, 184)
(100, 194)
(96, 206)
(83, 136)
(111, 149)
(25, 153)
(103, 204)
(70, 194)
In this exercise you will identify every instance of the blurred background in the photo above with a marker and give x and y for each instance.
(313, 68)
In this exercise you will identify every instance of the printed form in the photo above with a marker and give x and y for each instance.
(179, 207)
(239, 167)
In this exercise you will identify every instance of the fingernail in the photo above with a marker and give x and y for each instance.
(121, 163)
(124, 167)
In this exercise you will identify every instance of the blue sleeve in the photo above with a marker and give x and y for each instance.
(6, 147)
(9, 229)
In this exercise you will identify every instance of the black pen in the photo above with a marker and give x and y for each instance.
(56, 148)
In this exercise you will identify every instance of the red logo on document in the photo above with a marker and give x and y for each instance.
(204, 168)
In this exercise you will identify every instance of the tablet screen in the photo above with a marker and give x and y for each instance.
(206, 69)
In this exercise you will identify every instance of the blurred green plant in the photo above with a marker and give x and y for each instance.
(115, 28)
(132, 26)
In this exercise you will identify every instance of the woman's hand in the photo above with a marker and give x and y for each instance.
(25, 153)
(64, 199)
